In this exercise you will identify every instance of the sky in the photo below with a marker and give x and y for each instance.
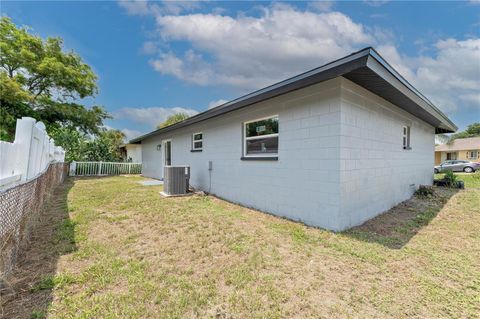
(154, 59)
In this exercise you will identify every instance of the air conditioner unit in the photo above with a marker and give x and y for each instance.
(176, 180)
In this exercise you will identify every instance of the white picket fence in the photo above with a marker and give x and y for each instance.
(104, 168)
(29, 155)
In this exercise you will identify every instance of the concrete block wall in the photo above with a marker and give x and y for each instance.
(376, 173)
(341, 160)
(302, 185)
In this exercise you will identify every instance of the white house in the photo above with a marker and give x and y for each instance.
(332, 147)
(131, 152)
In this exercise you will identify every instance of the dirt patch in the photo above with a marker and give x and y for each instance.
(403, 221)
(36, 265)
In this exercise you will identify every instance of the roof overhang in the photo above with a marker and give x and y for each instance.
(365, 68)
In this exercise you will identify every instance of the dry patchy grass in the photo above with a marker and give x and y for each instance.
(124, 251)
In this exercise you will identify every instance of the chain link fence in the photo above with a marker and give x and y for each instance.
(20, 207)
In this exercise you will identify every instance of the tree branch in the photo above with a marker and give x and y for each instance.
(10, 69)
(33, 83)
(38, 94)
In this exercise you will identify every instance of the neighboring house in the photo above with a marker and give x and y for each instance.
(459, 149)
(131, 153)
(331, 147)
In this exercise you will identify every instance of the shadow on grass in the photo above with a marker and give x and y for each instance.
(29, 288)
(395, 228)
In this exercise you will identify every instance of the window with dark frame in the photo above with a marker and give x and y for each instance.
(197, 141)
(472, 154)
(406, 138)
(452, 156)
(261, 137)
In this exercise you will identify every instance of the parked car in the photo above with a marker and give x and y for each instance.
(457, 166)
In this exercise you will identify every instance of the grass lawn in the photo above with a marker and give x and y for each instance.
(112, 248)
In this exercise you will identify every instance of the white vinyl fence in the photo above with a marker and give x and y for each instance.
(104, 168)
(30, 169)
(29, 155)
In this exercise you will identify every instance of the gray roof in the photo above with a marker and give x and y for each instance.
(365, 68)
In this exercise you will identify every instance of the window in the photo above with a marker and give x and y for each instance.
(197, 141)
(261, 137)
(406, 138)
(472, 154)
(451, 156)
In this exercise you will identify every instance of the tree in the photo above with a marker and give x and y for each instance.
(40, 80)
(174, 118)
(104, 146)
(73, 142)
(473, 130)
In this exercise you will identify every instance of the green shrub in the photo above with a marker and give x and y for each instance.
(424, 191)
(450, 178)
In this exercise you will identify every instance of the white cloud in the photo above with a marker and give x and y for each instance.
(149, 47)
(218, 10)
(150, 116)
(375, 3)
(135, 7)
(450, 79)
(250, 52)
(190, 68)
(322, 6)
(177, 7)
(131, 134)
(142, 7)
(401, 63)
(216, 103)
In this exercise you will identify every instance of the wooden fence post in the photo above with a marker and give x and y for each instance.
(100, 168)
